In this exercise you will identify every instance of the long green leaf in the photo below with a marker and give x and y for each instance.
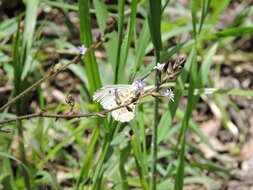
(127, 40)
(86, 39)
(154, 18)
(206, 65)
(121, 5)
(110, 46)
(239, 31)
(179, 181)
(29, 30)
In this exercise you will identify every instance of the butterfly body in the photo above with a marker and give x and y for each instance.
(112, 96)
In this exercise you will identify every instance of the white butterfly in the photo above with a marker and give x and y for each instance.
(112, 96)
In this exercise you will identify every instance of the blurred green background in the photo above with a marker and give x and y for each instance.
(202, 140)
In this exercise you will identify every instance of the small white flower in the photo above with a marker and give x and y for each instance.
(159, 66)
(81, 49)
(169, 94)
(139, 85)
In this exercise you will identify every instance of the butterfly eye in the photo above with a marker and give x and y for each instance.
(110, 91)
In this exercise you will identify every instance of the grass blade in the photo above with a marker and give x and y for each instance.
(238, 31)
(29, 30)
(127, 40)
(194, 5)
(102, 15)
(121, 5)
(154, 18)
(86, 39)
(205, 6)
(179, 181)
(123, 174)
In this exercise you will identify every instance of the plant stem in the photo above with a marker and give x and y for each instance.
(75, 115)
(21, 145)
(22, 153)
(156, 121)
(21, 142)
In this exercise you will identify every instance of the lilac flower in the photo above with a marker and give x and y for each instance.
(81, 49)
(139, 85)
(159, 66)
(169, 94)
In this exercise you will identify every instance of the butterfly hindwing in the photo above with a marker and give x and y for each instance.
(124, 115)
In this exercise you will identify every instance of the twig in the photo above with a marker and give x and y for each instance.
(52, 73)
(71, 116)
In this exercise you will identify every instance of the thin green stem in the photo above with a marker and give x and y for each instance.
(21, 142)
(156, 122)
(22, 153)
(21, 147)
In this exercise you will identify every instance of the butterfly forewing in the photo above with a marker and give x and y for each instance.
(105, 96)
(112, 96)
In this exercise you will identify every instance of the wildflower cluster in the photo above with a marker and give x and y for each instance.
(81, 49)
(169, 94)
(138, 85)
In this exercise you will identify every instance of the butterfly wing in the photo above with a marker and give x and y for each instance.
(124, 114)
(106, 96)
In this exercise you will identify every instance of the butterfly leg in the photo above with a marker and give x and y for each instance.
(117, 98)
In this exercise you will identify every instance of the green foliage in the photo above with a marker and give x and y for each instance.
(86, 39)
(150, 152)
